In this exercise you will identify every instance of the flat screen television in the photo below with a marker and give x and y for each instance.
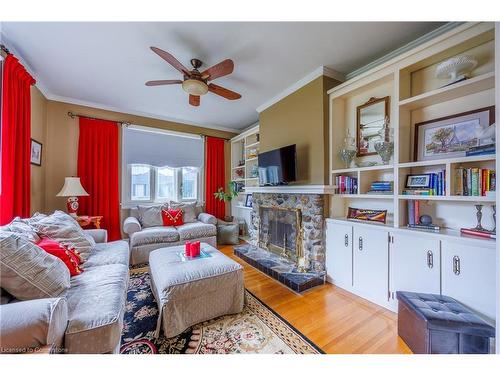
(277, 167)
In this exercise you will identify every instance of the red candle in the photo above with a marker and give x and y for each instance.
(195, 249)
(187, 250)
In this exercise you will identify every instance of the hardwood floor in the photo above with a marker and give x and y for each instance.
(334, 319)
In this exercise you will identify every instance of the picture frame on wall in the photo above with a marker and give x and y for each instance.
(36, 153)
(451, 136)
(248, 201)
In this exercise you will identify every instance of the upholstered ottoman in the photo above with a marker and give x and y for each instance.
(437, 324)
(190, 291)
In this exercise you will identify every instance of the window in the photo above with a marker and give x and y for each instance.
(150, 184)
(161, 165)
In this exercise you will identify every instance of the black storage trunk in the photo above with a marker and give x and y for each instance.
(436, 324)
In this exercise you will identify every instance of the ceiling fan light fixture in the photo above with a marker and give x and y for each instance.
(195, 87)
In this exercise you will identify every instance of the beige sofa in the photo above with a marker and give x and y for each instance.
(89, 319)
(144, 240)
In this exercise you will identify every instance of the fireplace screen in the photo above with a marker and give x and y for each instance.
(279, 231)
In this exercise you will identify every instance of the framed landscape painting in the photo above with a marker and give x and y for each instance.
(451, 136)
(36, 153)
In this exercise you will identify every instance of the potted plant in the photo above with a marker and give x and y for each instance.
(221, 195)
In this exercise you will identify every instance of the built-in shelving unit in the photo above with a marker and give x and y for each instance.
(244, 163)
(416, 96)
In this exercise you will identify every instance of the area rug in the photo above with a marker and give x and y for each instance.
(257, 329)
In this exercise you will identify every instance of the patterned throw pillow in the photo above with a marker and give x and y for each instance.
(64, 229)
(27, 272)
(70, 259)
(188, 209)
(22, 228)
(150, 216)
(172, 217)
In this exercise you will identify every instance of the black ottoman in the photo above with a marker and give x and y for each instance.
(436, 324)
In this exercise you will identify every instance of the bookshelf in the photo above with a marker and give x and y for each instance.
(416, 96)
(244, 161)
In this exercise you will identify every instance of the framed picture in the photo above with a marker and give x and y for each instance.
(451, 136)
(361, 214)
(248, 201)
(36, 153)
(419, 181)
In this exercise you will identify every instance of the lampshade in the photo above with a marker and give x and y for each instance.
(72, 188)
(195, 87)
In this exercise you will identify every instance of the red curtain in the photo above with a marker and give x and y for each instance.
(15, 141)
(214, 176)
(98, 172)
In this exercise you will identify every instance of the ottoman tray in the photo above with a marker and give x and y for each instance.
(192, 291)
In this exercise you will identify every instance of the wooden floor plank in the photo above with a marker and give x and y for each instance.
(337, 321)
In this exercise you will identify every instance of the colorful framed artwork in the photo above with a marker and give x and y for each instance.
(361, 214)
(36, 153)
(419, 181)
(451, 136)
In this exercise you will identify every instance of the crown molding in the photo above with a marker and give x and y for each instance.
(407, 47)
(318, 72)
(84, 103)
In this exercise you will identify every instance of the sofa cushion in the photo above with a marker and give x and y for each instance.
(116, 252)
(27, 272)
(150, 216)
(154, 235)
(96, 302)
(22, 228)
(188, 210)
(64, 229)
(197, 229)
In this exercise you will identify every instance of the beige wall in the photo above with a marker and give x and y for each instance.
(38, 133)
(301, 118)
(59, 134)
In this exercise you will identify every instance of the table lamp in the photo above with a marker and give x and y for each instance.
(72, 189)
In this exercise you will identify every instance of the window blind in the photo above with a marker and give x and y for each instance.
(156, 147)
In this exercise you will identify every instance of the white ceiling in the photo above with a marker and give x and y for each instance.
(106, 64)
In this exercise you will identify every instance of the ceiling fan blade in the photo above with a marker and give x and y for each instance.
(163, 82)
(171, 60)
(194, 100)
(219, 70)
(225, 93)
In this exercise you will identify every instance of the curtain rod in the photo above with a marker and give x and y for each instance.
(73, 115)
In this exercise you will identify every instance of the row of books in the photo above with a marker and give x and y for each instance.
(481, 150)
(346, 185)
(437, 186)
(381, 187)
(474, 181)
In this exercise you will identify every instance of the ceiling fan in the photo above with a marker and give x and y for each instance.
(194, 82)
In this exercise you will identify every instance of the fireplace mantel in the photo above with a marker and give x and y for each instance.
(291, 189)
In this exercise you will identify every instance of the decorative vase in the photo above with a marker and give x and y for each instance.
(385, 147)
(348, 152)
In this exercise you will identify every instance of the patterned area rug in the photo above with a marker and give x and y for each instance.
(257, 329)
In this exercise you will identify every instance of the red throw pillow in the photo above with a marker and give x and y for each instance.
(70, 259)
(172, 217)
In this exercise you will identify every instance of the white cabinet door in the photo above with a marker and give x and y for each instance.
(371, 264)
(468, 275)
(415, 264)
(339, 254)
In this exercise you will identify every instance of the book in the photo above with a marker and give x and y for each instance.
(432, 227)
(417, 212)
(411, 212)
(478, 233)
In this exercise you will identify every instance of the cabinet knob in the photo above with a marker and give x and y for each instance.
(360, 243)
(456, 265)
(346, 240)
(430, 259)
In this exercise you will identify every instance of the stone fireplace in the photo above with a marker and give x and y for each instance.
(288, 237)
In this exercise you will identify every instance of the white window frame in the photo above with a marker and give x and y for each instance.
(127, 201)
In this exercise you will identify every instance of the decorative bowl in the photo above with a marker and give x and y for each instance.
(456, 68)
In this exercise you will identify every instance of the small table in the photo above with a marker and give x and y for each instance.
(191, 291)
(87, 220)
